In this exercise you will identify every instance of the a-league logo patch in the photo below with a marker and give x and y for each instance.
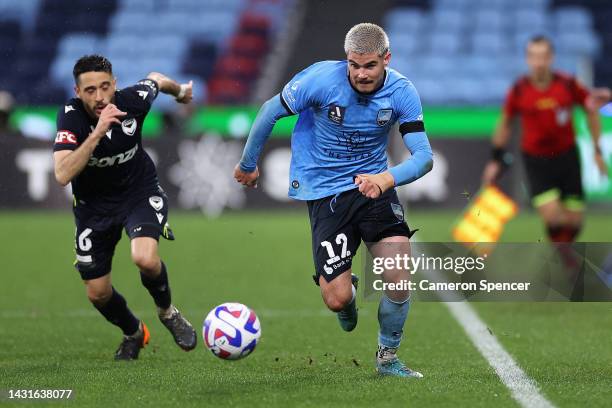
(129, 126)
(384, 116)
(156, 202)
(398, 211)
(336, 114)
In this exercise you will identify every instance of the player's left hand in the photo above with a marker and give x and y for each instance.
(374, 185)
(187, 93)
(601, 164)
(246, 179)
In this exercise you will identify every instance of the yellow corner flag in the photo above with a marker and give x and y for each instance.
(484, 220)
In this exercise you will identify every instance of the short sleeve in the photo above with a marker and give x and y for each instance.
(410, 112)
(69, 128)
(580, 92)
(511, 104)
(142, 94)
(304, 90)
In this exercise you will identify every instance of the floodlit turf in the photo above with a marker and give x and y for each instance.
(50, 336)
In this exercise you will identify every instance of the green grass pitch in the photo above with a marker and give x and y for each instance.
(51, 337)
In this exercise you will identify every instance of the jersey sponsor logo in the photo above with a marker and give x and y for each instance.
(65, 137)
(129, 126)
(546, 103)
(336, 114)
(156, 202)
(350, 140)
(112, 160)
(68, 108)
(352, 144)
(384, 116)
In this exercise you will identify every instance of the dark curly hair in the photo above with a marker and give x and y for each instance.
(89, 63)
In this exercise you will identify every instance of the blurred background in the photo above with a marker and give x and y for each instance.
(462, 55)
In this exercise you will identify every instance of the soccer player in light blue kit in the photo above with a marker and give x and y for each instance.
(339, 166)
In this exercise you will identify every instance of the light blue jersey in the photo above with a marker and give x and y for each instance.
(340, 132)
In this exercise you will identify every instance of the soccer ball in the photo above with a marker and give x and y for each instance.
(231, 331)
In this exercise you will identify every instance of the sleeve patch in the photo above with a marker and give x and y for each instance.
(149, 83)
(65, 137)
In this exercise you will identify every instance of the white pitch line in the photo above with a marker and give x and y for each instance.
(523, 389)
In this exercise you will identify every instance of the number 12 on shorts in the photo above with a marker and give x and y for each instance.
(341, 239)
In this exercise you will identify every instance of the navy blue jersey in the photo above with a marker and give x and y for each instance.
(119, 169)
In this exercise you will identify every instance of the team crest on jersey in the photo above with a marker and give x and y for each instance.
(336, 114)
(129, 126)
(384, 116)
(156, 202)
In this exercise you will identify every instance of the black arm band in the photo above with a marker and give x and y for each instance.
(412, 127)
(287, 108)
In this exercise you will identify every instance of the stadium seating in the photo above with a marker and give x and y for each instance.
(223, 44)
(455, 59)
(187, 39)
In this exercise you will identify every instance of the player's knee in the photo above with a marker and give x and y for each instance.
(337, 301)
(99, 296)
(398, 296)
(147, 263)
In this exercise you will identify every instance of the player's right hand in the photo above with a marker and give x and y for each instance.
(109, 115)
(491, 172)
(246, 179)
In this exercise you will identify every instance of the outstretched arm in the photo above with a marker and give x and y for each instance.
(596, 99)
(419, 164)
(246, 171)
(183, 93)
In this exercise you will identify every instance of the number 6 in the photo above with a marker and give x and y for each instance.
(84, 242)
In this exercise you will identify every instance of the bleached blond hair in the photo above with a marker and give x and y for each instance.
(366, 38)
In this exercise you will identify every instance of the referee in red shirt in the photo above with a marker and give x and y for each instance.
(543, 100)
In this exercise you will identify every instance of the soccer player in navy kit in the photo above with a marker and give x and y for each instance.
(339, 166)
(98, 148)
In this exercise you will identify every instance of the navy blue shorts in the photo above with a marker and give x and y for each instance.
(97, 236)
(339, 223)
